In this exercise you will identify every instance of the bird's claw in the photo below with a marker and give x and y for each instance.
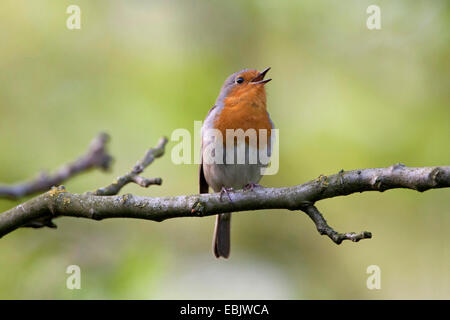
(252, 186)
(227, 192)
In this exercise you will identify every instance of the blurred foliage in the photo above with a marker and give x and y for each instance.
(342, 96)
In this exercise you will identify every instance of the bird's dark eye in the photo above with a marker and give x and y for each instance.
(239, 80)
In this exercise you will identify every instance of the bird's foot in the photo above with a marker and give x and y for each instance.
(227, 192)
(252, 186)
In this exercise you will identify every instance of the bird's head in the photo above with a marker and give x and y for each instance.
(245, 86)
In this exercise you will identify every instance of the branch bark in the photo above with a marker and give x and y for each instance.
(58, 202)
(95, 157)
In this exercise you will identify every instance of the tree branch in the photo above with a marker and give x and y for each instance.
(133, 175)
(115, 187)
(95, 157)
(58, 202)
(325, 229)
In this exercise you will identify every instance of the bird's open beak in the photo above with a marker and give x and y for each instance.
(259, 79)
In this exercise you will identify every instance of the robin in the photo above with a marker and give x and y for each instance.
(241, 104)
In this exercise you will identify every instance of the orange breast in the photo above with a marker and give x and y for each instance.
(244, 110)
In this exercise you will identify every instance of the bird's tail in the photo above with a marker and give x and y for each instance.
(221, 240)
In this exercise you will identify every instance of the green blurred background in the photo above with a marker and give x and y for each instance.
(342, 96)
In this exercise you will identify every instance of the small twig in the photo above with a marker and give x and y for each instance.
(95, 157)
(325, 229)
(133, 176)
(113, 188)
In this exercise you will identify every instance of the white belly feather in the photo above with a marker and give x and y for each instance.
(232, 174)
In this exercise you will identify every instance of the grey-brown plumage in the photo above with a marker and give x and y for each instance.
(241, 105)
(221, 239)
(222, 229)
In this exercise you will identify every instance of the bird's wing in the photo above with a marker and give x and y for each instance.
(203, 185)
(210, 110)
